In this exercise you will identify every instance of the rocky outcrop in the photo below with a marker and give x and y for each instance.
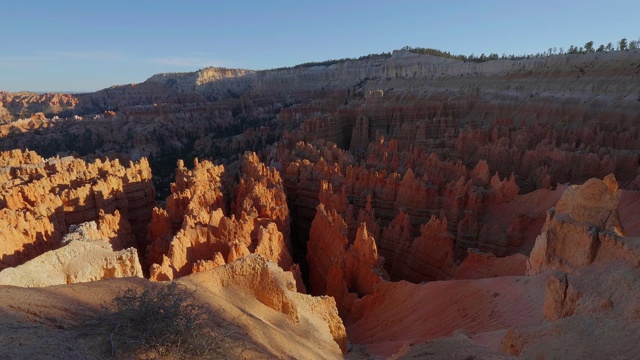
(85, 256)
(510, 113)
(426, 187)
(583, 228)
(276, 289)
(426, 257)
(339, 267)
(40, 199)
(326, 247)
(430, 256)
(194, 233)
(544, 154)
(585, 311)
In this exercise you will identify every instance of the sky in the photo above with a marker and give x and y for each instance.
(81, 46)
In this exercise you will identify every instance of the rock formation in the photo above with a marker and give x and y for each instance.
(86, 255)
(276, 289)
(15, 105)
(583, 228)
(41, 199)
(556, 304)
(194, 233)
(339, 267)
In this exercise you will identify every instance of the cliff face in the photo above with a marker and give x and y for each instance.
(504, 86)
(426, 256)
(408, 96)
(581, 243)
(341, 268)
(41, 200)
(531, 118)
(414, 184)
(215, 216)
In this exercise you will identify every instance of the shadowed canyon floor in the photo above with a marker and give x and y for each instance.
(403, 206)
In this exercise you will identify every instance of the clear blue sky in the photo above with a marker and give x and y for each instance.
(72, 45)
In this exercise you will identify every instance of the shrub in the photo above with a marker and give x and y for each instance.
(160, 322)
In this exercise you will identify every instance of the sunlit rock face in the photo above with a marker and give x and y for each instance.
(41, 199)
(199, 231)
(86, 255)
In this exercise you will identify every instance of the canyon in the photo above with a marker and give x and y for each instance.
(387, 207)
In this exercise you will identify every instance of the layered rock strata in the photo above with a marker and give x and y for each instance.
(418, 185)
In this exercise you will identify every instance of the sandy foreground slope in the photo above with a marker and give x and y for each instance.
(42, 323)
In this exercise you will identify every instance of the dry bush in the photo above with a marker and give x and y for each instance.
(161, 322)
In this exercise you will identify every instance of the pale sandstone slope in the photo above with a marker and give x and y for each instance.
(257, 310)
(85, 256)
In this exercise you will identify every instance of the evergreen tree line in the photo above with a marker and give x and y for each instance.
(336, 61)
(621, 45)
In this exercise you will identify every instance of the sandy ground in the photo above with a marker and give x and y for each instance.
(403, 314)
(43, 323)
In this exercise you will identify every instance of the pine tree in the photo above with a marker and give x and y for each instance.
(623, 44)
(588, 47)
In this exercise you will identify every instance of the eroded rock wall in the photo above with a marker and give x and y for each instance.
(198, 230)
(41, 199)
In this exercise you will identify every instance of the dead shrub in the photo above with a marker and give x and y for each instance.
(160, 322)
